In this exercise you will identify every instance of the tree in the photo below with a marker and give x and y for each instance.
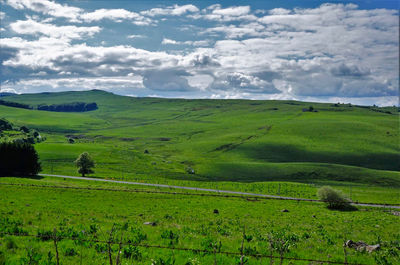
(333, 198)
(84, 163)
(18, 159)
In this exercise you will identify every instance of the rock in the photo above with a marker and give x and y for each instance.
(285, 211)
(396, 213)
(361, 246)
(372, 248)
(216, 211)
(150, 223)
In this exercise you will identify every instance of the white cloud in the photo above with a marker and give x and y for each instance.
(48, 8)
(174, 10)
(216, 13)
(329, 52)
(2, 15)
(31, 27)
(197, 43)
(166, 41)
(136, 36)
(117, 15)
(75, 14)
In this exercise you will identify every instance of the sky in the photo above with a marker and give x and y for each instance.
(337, 51)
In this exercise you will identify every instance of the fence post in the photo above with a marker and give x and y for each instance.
(109, 245)
(345, 252)
(241, 248)
(55, 245)
(118, 260)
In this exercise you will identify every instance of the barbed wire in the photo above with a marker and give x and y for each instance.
(195, 250)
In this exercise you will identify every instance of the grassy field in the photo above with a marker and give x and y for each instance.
(269, 147)
(230, 144)
(181, 221)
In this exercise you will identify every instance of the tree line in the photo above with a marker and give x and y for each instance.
(69, 107)
(63, 107)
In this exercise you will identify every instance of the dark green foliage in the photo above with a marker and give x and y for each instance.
(24, 129)
(69, 107)
(18, 159)
(15, 104)
(161, 261)
(70, 252)
(45, 235)
(10, 243)
(132, 252)
(171, 236)
(5, 125)
(333, 198)
(84, 163)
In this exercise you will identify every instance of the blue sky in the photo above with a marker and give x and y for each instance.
(337, 51)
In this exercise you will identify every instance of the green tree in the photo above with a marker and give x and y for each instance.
(18, 159)
(84, 163)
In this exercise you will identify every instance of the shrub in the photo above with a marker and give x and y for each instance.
(333, 198)
(132, 252)
(70, 252)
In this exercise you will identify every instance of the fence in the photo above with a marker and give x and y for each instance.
(241, 254)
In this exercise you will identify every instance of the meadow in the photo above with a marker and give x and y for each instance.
(268, 147)
(84, 218)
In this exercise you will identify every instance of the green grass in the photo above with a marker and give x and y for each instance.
(268, 147)
(315, 232)
(229, 143)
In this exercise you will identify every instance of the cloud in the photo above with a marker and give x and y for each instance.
(328, 52)
(75, 14)
(167, 80)
(168, 41)
(241, 82)
(174, 10)
(198, 43)
(117, 15)
(136, 36)
(48, 8)
(31, 27)
(2, 15)
(217, 13)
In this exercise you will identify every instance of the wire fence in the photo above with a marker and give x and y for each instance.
(56, 238)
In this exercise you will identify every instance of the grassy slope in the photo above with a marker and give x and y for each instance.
(223, 140)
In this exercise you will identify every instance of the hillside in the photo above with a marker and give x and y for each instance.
(221, 140)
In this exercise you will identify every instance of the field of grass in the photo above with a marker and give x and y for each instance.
(230, 144)
(182, 221)
(269, 147)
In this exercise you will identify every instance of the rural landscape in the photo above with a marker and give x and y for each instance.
(202, 132)
(263, 147)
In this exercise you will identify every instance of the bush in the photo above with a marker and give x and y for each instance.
(333, 198)
(70, 252)
(18, 159)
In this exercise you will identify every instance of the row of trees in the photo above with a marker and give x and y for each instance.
(69, 107)
(14, 104)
